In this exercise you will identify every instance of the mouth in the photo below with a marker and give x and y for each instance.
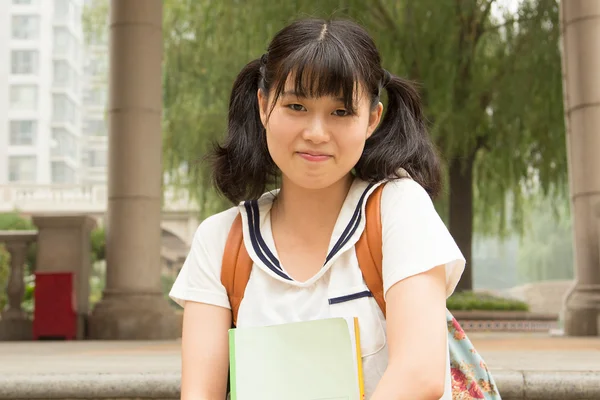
(313, 156)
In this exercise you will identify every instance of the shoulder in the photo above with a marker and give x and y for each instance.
(199, 277)
(212, 231)
(404, 194)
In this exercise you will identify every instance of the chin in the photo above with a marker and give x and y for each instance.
(314, 182)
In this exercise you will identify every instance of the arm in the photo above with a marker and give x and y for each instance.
(205, 351)
(416, 331)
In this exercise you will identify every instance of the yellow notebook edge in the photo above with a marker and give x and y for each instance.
(361, 383)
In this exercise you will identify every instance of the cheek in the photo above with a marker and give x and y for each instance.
(280, 135)
(352, 141)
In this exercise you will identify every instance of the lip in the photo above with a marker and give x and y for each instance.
(314, 157)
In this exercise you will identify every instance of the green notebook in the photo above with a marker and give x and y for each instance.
(313, 360)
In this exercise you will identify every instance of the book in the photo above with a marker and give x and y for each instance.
(311, 360)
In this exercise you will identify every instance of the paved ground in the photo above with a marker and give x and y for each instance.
(525, 366)
(502, 351)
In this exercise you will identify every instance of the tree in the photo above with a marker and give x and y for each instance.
(493, 94)
(491, 86)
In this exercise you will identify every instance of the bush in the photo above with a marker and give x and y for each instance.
(469, 301)
(98, 239)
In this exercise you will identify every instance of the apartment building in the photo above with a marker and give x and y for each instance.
(49, 106)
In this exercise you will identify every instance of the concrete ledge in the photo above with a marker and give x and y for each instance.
(513, 385)
(90, 386)
(16, 329)
(463, 315)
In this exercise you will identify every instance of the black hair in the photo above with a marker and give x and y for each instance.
(325, 57)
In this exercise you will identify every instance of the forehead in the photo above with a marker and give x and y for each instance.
(308, 85)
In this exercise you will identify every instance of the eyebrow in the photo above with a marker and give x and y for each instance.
(294, 94)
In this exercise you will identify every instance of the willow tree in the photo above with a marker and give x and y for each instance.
(491, 85)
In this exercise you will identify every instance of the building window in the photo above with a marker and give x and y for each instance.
(65, 75)
(25, 27)
(62, 173)
(23, 97)
(95, 127)
(23, 133)
(24, 62)
(95, 97)
(63, 109)
(97, 158)
(22, 168)
(97, 66)
(61, 73)
(64, 43)
(61, 9)
(64, 144)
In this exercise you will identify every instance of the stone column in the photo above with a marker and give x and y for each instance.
(580, 41)
(132, 305)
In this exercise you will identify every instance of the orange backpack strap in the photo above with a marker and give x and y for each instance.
(369, 248)
(236, 267)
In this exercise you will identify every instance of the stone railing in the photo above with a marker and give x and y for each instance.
(63, 246)
(15, 324)
(74, 198)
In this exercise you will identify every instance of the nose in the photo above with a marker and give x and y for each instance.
(316, 131)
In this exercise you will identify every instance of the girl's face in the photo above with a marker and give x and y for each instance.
(316, 142)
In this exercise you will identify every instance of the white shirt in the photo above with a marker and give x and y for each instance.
(415, 240)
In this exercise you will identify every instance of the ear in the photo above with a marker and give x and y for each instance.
(263, 103)
(374, 119)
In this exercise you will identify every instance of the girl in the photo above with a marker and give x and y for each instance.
(307, 114)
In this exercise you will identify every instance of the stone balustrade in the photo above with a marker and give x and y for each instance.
(35, 199)
(15, 324)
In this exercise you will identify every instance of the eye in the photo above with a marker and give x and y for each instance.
(341, 113)
(297, 107)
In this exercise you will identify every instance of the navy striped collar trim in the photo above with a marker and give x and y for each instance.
(268, 258)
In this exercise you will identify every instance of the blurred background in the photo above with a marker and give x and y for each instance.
(489, 73)
(107, 109)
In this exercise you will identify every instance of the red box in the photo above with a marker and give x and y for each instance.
(54, 314)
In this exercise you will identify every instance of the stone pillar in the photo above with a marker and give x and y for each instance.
(132, 305)
(580, 41)
(64, 245)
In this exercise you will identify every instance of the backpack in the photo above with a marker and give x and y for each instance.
(470, 377)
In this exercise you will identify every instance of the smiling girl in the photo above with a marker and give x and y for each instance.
(308, 116)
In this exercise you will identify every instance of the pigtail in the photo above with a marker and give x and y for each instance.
(401, 140)
(242, 166)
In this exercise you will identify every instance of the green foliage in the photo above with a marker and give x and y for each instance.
(28, 303)
(97, 282)
(490, 82)
(98, 242)
(470, 301)
(94, 20)
(492, 88)
(13, 221)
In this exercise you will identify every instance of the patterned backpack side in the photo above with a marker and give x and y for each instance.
(471, 378)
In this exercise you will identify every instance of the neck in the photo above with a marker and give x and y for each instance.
(307, 209)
